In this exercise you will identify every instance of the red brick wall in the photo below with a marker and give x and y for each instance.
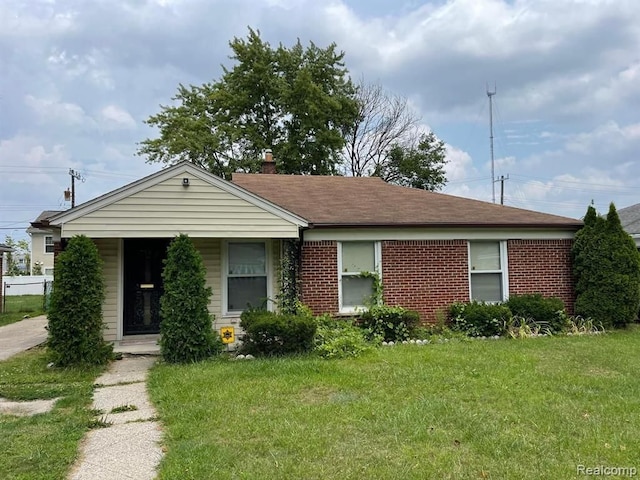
(429, 275)
(425, 275)
(542, 266)
(319, 276)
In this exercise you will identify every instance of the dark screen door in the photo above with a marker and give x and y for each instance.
(143, 264)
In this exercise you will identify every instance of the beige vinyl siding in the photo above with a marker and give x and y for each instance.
(209, 249)
(168, 208)
(37, 251)
(109, 253)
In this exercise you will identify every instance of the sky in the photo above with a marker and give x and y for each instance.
(78, 78)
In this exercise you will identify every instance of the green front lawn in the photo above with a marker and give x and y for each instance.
(504, 409)
(17, 306)
(43, 446)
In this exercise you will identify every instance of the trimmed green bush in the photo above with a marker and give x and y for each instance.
(606, 265)
(479, 319)
(75, 309)
(389, 323)
(270, 333)
(545, 312)
(337, 338)
(186, 327)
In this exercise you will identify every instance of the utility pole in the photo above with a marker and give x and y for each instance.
(493, 175)
(502, 179)
(74, 175)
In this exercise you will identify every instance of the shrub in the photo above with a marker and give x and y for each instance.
(479, 319)
(606, 265)
(75, 310)
(389, 323)
(270, 333)
(186, 326)
(546, 313)
(339, 338)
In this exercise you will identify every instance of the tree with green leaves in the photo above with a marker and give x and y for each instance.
(385, 141)
(296, 101)
(22, 250)
(606, 266)
(75, 312)
(186, 326)
(417, 166)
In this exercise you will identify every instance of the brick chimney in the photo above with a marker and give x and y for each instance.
(268, 165)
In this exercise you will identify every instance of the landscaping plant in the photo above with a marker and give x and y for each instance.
(390, 323)
(75, 312)
(479, 319)
(187, 326)
(340, 338)
(606, 265)
(270, 333)
(545, 313)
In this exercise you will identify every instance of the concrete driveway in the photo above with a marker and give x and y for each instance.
(22, 335)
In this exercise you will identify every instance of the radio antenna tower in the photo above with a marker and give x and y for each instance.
(493, 175)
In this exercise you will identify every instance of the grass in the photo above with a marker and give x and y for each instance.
(43, 446)
(17, 306)
(506, 409)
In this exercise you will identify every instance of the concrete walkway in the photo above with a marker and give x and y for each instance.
(23, 335)
(129, 446)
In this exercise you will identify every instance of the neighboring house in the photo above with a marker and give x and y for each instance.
(42, 244)
(429, 249)
(630, 220)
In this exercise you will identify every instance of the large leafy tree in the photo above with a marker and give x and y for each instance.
(606, 265)
(385, 140)
(297, 101)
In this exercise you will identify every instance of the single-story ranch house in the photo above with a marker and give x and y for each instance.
(429, 249)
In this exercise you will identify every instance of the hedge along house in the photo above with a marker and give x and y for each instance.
(428, 249)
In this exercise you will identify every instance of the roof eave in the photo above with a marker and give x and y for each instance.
(563, 226)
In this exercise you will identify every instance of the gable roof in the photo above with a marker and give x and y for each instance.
(369, 201)
(630, 219)
(40, 224)
(165, 174)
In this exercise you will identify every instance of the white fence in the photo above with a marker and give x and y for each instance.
(25, 285)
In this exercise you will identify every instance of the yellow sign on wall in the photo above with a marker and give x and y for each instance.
(228, 334)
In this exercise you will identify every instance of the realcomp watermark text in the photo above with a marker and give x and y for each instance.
(604, 470)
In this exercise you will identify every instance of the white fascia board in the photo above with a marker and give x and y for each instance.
(405, 233)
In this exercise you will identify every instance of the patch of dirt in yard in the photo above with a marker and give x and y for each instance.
(25, 409)
(602, 372)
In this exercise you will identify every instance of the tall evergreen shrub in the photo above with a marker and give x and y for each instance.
(186, 326)
(606, 265)
(75, 310)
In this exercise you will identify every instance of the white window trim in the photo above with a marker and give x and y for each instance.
(225, 268)
(377, 248)
(503, 263)
(45, 244)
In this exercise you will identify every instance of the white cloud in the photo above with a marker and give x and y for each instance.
(49, 110)
(116, 117)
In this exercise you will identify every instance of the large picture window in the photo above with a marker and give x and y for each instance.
(354, 258)
(246, 275)
(487, 271)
